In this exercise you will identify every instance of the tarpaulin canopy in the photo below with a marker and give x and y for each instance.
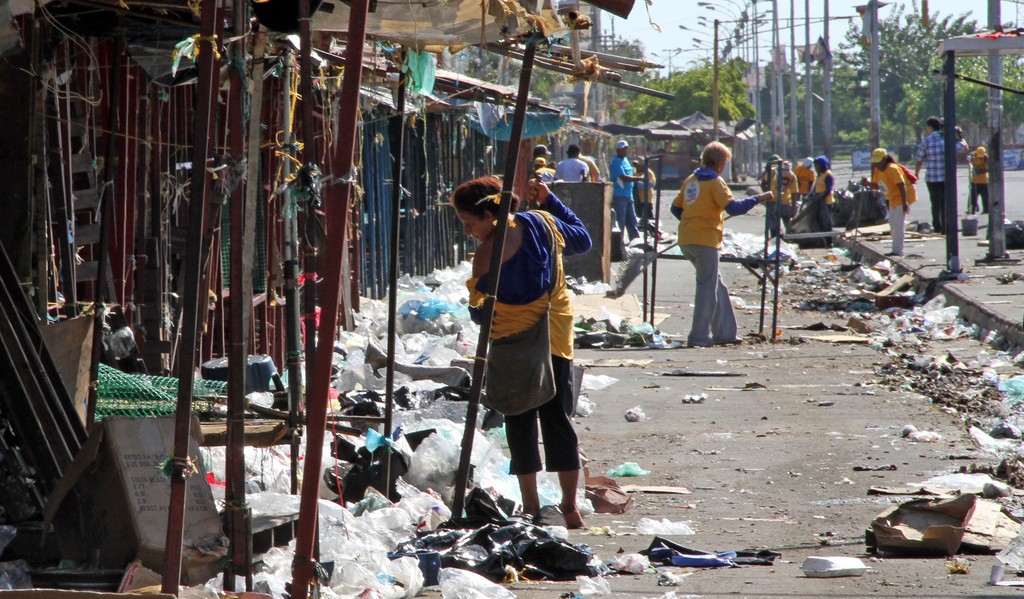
(494, 123)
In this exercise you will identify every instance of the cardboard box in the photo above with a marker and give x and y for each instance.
(111, 505)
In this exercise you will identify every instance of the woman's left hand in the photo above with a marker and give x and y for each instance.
(537, 192)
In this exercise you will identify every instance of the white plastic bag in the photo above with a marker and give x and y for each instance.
(649, 526)
(463, 584)
(593, 587)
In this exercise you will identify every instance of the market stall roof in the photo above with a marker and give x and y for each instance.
(1010, 43)
(457, 86)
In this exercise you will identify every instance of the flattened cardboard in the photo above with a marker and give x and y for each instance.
(122, 499)
(924, 526)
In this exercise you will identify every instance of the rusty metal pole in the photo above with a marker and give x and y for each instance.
(396, 208)
(206, 94)
(243, 230)
(336, 224)
(494, 272)
(310, 169)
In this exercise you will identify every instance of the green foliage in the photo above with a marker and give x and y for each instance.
(693, 90)
(909, 92)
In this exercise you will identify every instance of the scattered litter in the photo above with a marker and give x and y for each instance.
(995, 489)
(600, 531)
(826, 403)
(832, 567)
(708, 373)
(913, 435)
(669, 553)
(593, 587)
(672, 579)
(884, 468)
(656, 489)
(922, 527)
(463, 584)
(987, 443)
(635, 414)
(650, 526)
(628, 469)
(958, 566)
(607, 496)
(687, 399)
(631, 563)
(597, 382)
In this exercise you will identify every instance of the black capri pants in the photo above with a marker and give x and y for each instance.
(561, 447)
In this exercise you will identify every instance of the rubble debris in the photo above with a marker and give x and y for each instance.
(635, 414)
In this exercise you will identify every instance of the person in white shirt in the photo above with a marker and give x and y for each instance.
(572, 169)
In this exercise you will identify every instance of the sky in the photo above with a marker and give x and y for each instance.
(683, 48)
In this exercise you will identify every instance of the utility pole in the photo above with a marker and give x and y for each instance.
(778, 104)
(808, 91)
(794, 127)
(996, 231)
(714, 84)
(876, 110)
(826, 90)
(757, 88)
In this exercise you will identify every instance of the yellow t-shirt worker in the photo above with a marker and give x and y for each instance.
(701, 207)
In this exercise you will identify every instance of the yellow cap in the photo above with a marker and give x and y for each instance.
(540, 161)
(980, 150)
(878, 155)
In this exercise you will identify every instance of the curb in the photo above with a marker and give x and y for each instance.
(972, 309)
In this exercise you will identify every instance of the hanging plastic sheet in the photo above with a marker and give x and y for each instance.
(421, 69)
(492, 123)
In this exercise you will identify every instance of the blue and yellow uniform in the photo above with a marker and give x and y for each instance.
(701, 206)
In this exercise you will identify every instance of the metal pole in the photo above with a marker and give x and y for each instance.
(494, 272)
(243, 231)
(336, 224)
(996, 231)
(311, 170)
(876, 110)
(396, 209)
(764, 264)
(292, 334)
(949, 138)
(657, 219)
(793, 127)
(757, 90)
(643, 201)
(808, 95)
(714, 84)
(776, 85)
(826, 91)
(193, 297)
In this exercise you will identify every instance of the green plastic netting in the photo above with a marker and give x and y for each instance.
(142, 396)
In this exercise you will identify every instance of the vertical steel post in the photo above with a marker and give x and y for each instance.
(996, 206)
(243, 231)
(826, 90)
(194, 294)
(876, 108)
(714, 83)
(310, 160)
(949, 137)
(336, 218)
(808, 95)
(494, 272)
(396, 210)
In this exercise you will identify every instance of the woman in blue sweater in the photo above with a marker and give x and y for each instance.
(522, 299)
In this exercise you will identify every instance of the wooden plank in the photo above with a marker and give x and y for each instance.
(86, 199)
(257, 434)
(87, 234)
(82, 162)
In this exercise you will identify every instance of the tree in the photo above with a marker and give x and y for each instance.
(693, 90)
(909, 92)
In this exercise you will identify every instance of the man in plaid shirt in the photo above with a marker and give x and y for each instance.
(930, 154)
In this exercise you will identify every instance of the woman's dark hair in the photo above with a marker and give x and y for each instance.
(889, 159)
(934, 122)
(470, 196)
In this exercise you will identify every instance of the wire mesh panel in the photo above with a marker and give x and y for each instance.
(143, 396)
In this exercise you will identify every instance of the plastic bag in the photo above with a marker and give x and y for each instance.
(628, 469)
(463, 584)
(649, 526)
(431, 466)
(635, 414)
(634, 563)
(597, 382)
(593, 587)
(14, 575)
